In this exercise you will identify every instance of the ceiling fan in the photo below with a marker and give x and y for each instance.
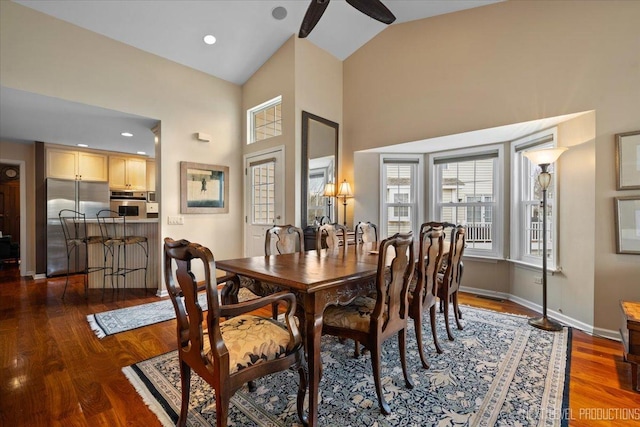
(373, 8)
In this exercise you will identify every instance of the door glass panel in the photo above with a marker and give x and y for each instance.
(263, 193)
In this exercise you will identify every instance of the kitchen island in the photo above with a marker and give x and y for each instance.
(135, 256)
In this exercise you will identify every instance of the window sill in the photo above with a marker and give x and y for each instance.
(477, 258)
(534, 267)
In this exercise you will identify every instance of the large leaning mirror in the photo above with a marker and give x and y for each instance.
(319, 168)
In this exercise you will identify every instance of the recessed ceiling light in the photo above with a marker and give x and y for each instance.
(279, 13)
(82, 145)
(127, 134)
(142, 152)
(209, 39)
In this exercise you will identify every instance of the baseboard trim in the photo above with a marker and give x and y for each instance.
(560, 317)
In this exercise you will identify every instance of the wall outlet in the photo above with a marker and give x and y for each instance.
(176, 220)
(537, 280)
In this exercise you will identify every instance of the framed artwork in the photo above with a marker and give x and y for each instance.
(204, 188)
(627, 225)
(628, 160)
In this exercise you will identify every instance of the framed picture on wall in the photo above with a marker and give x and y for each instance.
(204, 188)
(628, 160)
(627, 225)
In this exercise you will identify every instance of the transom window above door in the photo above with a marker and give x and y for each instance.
(264, 120)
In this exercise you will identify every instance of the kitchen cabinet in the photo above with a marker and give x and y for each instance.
(127, 173)
(76, 165)
(151, 175)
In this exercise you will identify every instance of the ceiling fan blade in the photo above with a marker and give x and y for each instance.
(375, 9)
(314, 13)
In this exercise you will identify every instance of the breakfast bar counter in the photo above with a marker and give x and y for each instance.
(147, 227)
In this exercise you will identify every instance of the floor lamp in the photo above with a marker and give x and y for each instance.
(544, 158)
(329, 192)
(345, 192)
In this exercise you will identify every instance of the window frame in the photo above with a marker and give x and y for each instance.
(415, 207)
(497, 215)
(518, 226)
(251, 114)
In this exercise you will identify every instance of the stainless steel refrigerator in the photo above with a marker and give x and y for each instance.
(82, 196)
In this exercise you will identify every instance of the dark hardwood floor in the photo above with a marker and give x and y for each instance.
(55, 372)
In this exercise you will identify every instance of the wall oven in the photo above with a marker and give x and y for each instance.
(132, 204)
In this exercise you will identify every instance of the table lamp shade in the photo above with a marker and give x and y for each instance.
(345, 190)
(329, 189)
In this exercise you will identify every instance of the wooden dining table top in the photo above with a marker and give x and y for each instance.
(309, 271)
(312, 270)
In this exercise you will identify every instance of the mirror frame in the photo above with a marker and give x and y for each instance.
(306, 118)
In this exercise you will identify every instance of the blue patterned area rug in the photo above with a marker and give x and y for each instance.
(498, 371)
(128, 318)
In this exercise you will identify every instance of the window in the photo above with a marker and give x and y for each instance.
(400, 189)
(265, 120)
(467, 188)
(526, 209)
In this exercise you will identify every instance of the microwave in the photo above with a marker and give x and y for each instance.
(132, 209)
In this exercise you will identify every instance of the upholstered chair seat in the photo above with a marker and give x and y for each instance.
(355, 315)
(252, 340)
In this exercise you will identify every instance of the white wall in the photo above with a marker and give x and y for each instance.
(512, 62)
(47, 56)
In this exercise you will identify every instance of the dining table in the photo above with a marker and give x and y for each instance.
(318, 279)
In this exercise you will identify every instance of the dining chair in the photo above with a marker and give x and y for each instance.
(231, 352)
(331, 236)
(371, 321)
(366, 232)
(449, 229)
(283, 239)
(449, 281)
(423, 290)
(279, 239)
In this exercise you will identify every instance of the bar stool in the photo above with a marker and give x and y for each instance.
(74, 228)
(116, 239)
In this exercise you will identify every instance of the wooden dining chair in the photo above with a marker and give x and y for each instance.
(331, 236)
(232, 352)
(283, 239)
(449, 229)
(371, 321)
(449, 281)
(424, 286)
(366, 232)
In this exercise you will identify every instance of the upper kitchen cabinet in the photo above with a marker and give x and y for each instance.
(127, 173)
(76, 165)
(151, 175)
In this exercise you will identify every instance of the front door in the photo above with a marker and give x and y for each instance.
(264, 198)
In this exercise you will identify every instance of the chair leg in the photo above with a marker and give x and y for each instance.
(185, 382)
(446, 318)
(356, 349)
(402, 344)
(456, 310)
(223, 397)
(66, 281)
(432, 318)
(375, 365)
(302, 391)
(417, 321)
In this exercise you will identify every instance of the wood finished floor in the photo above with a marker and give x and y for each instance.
(55, 372)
